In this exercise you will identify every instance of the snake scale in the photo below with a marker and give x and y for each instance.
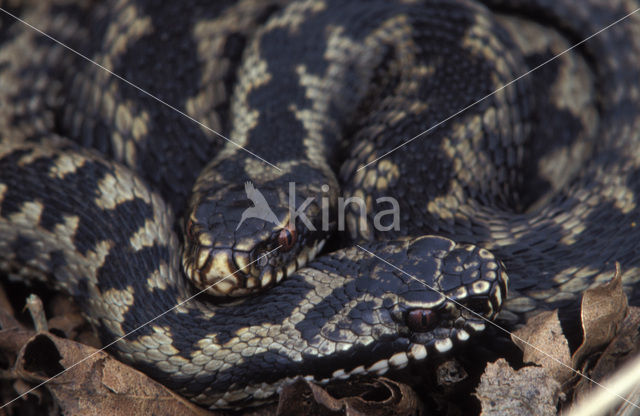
(101, 185)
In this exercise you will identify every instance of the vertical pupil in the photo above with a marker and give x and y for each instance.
(421, 319)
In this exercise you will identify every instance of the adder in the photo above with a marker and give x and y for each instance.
(95, 176)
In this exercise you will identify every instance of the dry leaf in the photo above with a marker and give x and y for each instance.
(542, 341)
(624, 347)
(505, 392)
(602, 311)
(13, 339)
(67, 318)
(99, 385)
(376, 397)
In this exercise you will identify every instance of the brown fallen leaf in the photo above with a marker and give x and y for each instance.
(66, 318)
(505, 392)
(543, 342)
(12, 335)
(99, 385)
(12, 339)
(602, 311)
(623, 348)
(376, 397)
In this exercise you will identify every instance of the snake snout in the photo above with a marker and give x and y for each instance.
(455, 291)
(238, 264)
(475, 280)
(233, 269)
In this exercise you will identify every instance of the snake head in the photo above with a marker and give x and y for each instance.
(419, 296)
(465, 287)
(249, 239)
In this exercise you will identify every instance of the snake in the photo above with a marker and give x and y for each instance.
(510, 155)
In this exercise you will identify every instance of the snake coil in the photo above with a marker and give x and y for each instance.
(96, 177)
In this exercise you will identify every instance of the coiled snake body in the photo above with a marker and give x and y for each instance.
(95, 175)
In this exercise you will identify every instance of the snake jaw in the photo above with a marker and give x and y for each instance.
(233, 272)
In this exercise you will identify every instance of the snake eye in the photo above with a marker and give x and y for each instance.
(421, 320)
(287, 238)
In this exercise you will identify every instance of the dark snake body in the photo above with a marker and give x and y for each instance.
(109, 238)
